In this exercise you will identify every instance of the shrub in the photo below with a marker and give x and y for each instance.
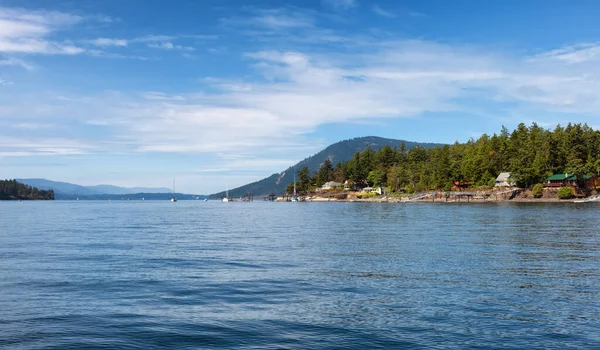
(538, 191)
(491, 182)
(566, 193)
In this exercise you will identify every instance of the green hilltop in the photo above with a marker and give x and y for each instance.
(339, 152)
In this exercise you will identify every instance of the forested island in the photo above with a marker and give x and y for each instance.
(530, 154)
(14, 190)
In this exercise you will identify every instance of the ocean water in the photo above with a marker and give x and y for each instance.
(210, 275)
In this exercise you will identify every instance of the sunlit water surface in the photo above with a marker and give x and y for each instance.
(147, 275)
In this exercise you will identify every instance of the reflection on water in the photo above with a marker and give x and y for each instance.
(298, 275)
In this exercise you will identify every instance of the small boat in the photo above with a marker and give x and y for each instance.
(294, 197)
(226, 198)
(173, 199)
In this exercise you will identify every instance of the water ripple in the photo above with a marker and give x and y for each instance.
(190, 275)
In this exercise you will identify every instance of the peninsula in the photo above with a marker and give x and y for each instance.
(529, 163)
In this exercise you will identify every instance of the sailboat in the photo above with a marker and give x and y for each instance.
(294, 197)
(226, 199)
(173, 199)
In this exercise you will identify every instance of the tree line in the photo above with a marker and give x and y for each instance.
(529, 153)
(13, 190)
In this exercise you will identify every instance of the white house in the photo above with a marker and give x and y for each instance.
(503, 180)
(330, 185)
(377, 190)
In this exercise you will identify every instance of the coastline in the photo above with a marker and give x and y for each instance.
(520, 196)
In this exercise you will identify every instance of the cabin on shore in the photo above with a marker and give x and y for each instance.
(349, 185)
(460, 186)
(503, 180)
(377, 190)
(570, 180)
(329, 186)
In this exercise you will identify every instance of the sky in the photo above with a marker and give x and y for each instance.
(138, 93)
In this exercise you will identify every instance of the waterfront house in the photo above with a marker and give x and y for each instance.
(349, 185)
(570, 180)
(330, 185)
(460, 186)
(503, 180)
(561, 180)
(377, 190)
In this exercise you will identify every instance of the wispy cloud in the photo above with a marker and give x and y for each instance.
(416, 14)
(339, 4)
(32, 125)
(104, 18)
(383, 13)
(20, 147)
(113, 55)
(104, 42)
(167, 45)
(300, 91)
(579, 53)
(161, 96)
(25, 31)
(153, 38)
(11, 61)
(279, 18)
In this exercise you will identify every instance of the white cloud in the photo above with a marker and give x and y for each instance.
(300, 91)
(153, 95)
(167, 45)
(572, 54)
(11, 61)
(153, 38)
(340, 4)
(273, 19)
(163, 42)
(282, 18)
(4, 82)
(26, 31)
(104, 42)
(112, 55)
(32, 126)
(104, 19)
(383, 13)
(21, 146)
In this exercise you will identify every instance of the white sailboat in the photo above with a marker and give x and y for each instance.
(226, 199)
(294, 197)
(173, 199)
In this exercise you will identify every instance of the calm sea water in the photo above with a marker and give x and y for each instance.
(191, 275)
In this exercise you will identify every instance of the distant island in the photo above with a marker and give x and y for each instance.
(14, 190)
(70, 191)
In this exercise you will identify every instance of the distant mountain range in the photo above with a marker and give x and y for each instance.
(65, 190)
(338, 152)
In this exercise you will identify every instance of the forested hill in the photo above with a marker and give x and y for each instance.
(531, 154)
(13, 190)
(338, 152)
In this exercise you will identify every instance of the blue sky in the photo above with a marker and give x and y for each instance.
(136, 93)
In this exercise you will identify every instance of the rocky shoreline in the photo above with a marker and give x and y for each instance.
(520, 196)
